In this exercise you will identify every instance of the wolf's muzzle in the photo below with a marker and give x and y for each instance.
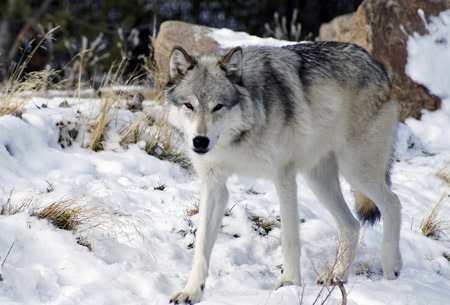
(200, 144)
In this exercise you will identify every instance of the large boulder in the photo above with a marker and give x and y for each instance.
(382, 27)
(193, 38)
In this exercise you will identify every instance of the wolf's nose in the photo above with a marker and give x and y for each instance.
(201, 142)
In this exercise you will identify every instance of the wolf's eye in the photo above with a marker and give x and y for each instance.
(218, 107)
(189, 106)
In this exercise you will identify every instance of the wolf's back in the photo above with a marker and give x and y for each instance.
(343, 61)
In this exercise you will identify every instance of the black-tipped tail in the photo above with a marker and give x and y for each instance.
(366, 209)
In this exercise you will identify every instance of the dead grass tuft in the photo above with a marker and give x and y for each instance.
(150, 128)
(159, 139)
(10, 208)
(109, 103)
(193, 210)
(21, 87)
(98, 127)
(433, 225)
(264, 225)
(444, 173)
(18, 92)
(66, 213)
(84, 241)
(162, 143)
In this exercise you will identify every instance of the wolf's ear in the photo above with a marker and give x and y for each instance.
(232, 64)
(179, 63)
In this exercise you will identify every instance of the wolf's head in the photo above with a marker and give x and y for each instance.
(203, 96)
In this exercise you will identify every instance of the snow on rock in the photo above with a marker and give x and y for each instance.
(429, 64)
(228, 39)
(429, 56)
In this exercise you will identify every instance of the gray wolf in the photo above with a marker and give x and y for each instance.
(320, 109)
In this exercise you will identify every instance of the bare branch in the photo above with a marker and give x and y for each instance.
(8, 253)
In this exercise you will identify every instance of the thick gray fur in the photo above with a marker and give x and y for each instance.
(321, 109)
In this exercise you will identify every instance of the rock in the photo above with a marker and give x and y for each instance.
(64, 104)
(193, 38)
(136, 103)
(382, 27)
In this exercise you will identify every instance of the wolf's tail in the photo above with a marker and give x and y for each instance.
(366, 209)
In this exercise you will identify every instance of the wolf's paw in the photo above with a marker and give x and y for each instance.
(391, 266)
(333, 278)
(188, 297)
(287, 282)
(284, 284)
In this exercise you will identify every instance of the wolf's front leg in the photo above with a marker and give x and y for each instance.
(213, 201)
(290, 240)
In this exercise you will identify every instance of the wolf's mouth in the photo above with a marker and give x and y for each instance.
(200, 151)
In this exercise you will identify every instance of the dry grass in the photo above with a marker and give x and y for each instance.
(194, 209)
(109, 103)
(264, 225)
(162, 143)
(157, 77)
(98, 126)
(67, 213)
(137, 131)
(444, 173)
(20, 88)
(8, 207)
(17, 91)
(433, 225)
(78, 214)
(160, 140)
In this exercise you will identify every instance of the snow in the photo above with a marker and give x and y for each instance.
(429, 56)
(141, 236)
(229, 39)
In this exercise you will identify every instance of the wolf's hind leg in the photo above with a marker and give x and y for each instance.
(286, 187)
(366, 174)
(324, 182)
(389, 206)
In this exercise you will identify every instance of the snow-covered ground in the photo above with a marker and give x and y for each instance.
(142, 240)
